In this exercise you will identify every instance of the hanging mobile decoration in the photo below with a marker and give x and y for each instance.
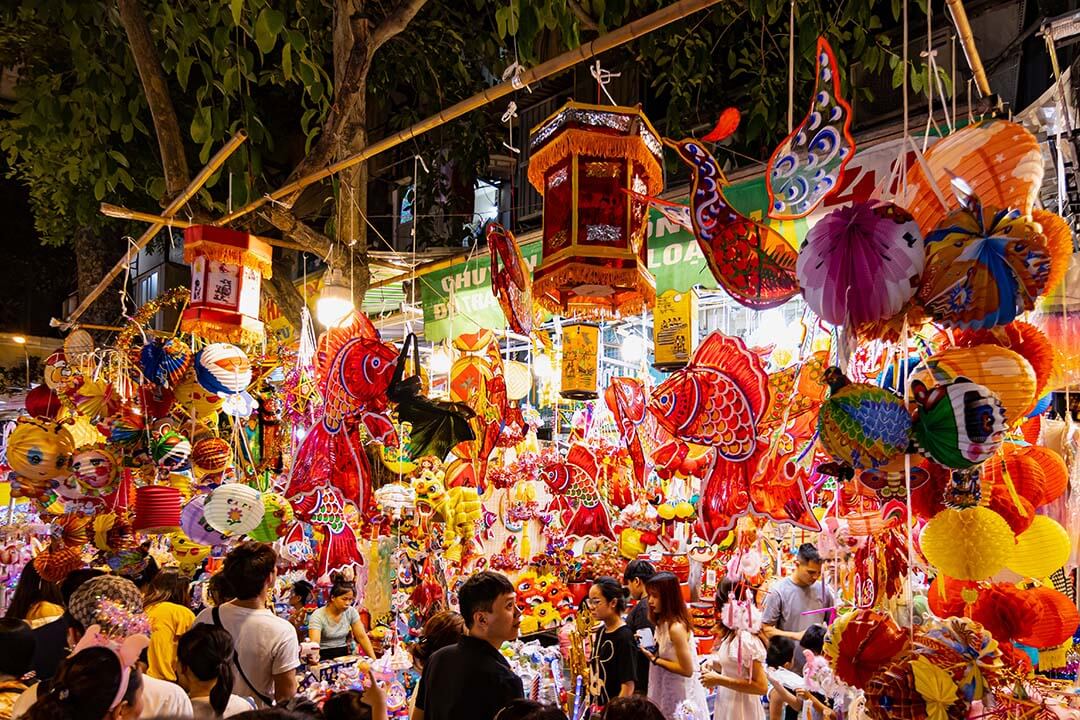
(511, 280)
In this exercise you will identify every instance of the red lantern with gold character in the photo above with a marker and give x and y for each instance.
(227, 269)
(593, 165)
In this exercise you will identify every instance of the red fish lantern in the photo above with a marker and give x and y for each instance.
(227, 269)
(593, 164)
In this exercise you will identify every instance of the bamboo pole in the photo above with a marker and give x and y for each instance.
(173, 207)
(123, 213)
(963, 29)
(418, 270)
(565, 61)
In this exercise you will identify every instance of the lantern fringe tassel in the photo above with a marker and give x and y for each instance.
(231, 255)
(591, 143)
(638, 283)
(215, 331)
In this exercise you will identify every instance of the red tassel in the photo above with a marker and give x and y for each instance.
(725, 126)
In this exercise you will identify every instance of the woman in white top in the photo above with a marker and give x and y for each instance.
(332, 625)
(735, 667)
(673, 683)
(204, 669)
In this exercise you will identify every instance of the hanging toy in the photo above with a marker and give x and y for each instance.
(576, 478)
(39, 451)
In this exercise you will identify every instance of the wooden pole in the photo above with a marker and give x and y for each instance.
(173, 207)
(963, 29)
(632, 31)
(123, 213)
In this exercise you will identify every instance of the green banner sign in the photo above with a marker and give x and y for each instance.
(458, 298)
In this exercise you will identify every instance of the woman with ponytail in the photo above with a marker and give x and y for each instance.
(92, 684)
(204, 669)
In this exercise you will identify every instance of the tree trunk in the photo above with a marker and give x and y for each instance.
(93, 258)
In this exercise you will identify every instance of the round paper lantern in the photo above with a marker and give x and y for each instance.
(55, 565)
(223, 369)
(278, 515)
(78, 345)
(1004, 611)
(1055, 473)
(948, 597)
(43, 402)
(39, 450)
(891, 694)
(234, 509)
(861, 263)
(1022, 469)
(170, 450)
(193, 523)
(1015, 509)
(1003, 372)
(210, 455)
(96, 469)
(1000, 160)
(165, 362)
(157, 509)
(984, 267)
(861, 424)
(1059, 243)
(1041, 549)
(959, 424)
(182, 482)
(969, 544)
(194, 398)
(1022, 338)
(1055, 618)
(518, 380)
(468, 375)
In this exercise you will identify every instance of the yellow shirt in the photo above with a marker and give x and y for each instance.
(168, 621)
(44, 610)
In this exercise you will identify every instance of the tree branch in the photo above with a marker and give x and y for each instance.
(398, 19)
(166, 127)
(292, 227)
(582, 16)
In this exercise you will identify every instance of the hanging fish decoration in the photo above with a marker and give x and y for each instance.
(324, 509)
(625, 397)
(805, 168)
(576, 479)
(753, 263)
(511, 281)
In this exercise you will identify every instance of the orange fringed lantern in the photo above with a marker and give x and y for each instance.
(227, 269)
(593, 164)
(1000, 160)
(1055, 618)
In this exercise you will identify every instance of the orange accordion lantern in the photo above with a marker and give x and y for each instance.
(593, 164)
(227, 269)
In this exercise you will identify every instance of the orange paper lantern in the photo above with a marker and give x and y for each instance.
(1059, 243)
(1055, 618)
(593, 164)
(1022, 338)
(1002, 371)
(1055, 474)
(1000, 160)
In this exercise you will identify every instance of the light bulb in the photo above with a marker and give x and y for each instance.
(542, 368)
(633, 348)
(440, 361)
(335, 302)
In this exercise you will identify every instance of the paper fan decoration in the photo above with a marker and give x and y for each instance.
(1003, 372)
(234, 509)
(1000, 160)
(165, 362)
(959, 424)
(223, 369)
(861, 263)
(861, 643)
(751, 261)
(96, 470)
(193, 523)
(126, 429)
(511, 279)
(984, 266)
(78, 345)
(805, 168)
(862, 425)
(969, 544)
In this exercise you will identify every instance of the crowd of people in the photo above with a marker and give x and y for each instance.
(102, 648)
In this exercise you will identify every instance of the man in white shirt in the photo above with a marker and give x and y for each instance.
(267, 650)
(160, 698)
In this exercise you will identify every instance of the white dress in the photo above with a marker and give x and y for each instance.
(734, 658)
(670, 690)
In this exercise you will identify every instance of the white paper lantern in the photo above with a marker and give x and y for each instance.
(234, 509)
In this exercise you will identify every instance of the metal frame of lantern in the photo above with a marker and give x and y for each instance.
(227, 269)
(584, 158)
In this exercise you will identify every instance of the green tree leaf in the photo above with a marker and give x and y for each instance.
(267, 27)
(237, 8)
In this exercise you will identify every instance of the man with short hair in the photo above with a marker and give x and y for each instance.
(267, 651)
(472, 680)
(798, 601)
(86, 606)
(636, 574)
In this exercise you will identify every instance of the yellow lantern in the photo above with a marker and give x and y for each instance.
(593, 164)
(1005, 373)
(675, 329)
(1041, 549)
(580, 361)
(969, 544)
(39, 450)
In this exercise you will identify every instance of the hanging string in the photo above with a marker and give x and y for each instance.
(508, 118)
(791, 70)
(907, 123)
(603, 77)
